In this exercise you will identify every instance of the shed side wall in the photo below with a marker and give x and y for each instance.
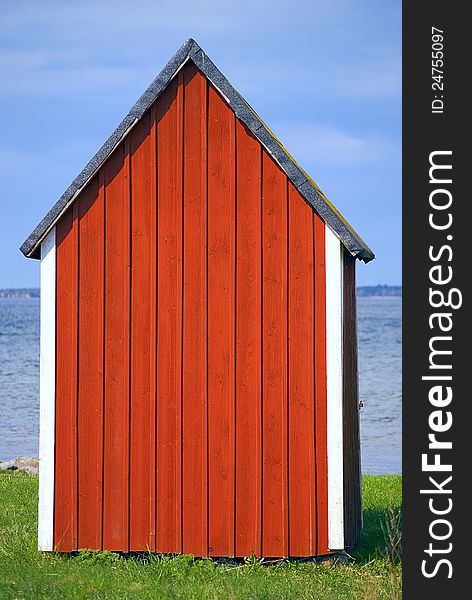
(352, 465)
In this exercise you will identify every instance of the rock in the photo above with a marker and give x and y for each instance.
(21, 463)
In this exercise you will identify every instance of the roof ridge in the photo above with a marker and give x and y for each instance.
(191, 50)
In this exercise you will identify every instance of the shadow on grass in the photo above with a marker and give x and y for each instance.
(380, 540)
(380, 537)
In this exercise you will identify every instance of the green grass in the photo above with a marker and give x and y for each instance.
(26, 573)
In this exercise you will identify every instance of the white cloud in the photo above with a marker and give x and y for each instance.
(324, 144)
(209, 15)
(12, 160)
(377, 77)
(26, 76)
(77, 46)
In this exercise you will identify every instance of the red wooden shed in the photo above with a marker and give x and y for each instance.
(198, 339)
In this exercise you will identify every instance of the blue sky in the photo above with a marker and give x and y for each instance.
(325, 75)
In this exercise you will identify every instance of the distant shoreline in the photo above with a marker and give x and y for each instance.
(19, 293)
(379, 291)
(363, 291)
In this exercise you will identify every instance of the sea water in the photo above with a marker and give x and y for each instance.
(379, 334)
(379, 330)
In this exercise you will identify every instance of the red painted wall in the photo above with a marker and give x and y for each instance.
(190, 367)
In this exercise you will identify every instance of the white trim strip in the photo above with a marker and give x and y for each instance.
(47, 391)
(334, 374)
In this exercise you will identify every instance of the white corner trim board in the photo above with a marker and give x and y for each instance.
(47, 391)
(334, 384)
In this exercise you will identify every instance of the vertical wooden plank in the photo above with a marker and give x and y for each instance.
(248, 344)
(47, 392)
(90, 394)
(221, 289)
(194, 458)
(274, 357)
(143, 334)
(169, 318)
(301, 377)
(65, 500)
(321, 452)
(117, 346)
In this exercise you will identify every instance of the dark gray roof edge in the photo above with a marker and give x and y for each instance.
(190, 49)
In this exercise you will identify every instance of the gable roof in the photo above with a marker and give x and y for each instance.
(190, 50)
